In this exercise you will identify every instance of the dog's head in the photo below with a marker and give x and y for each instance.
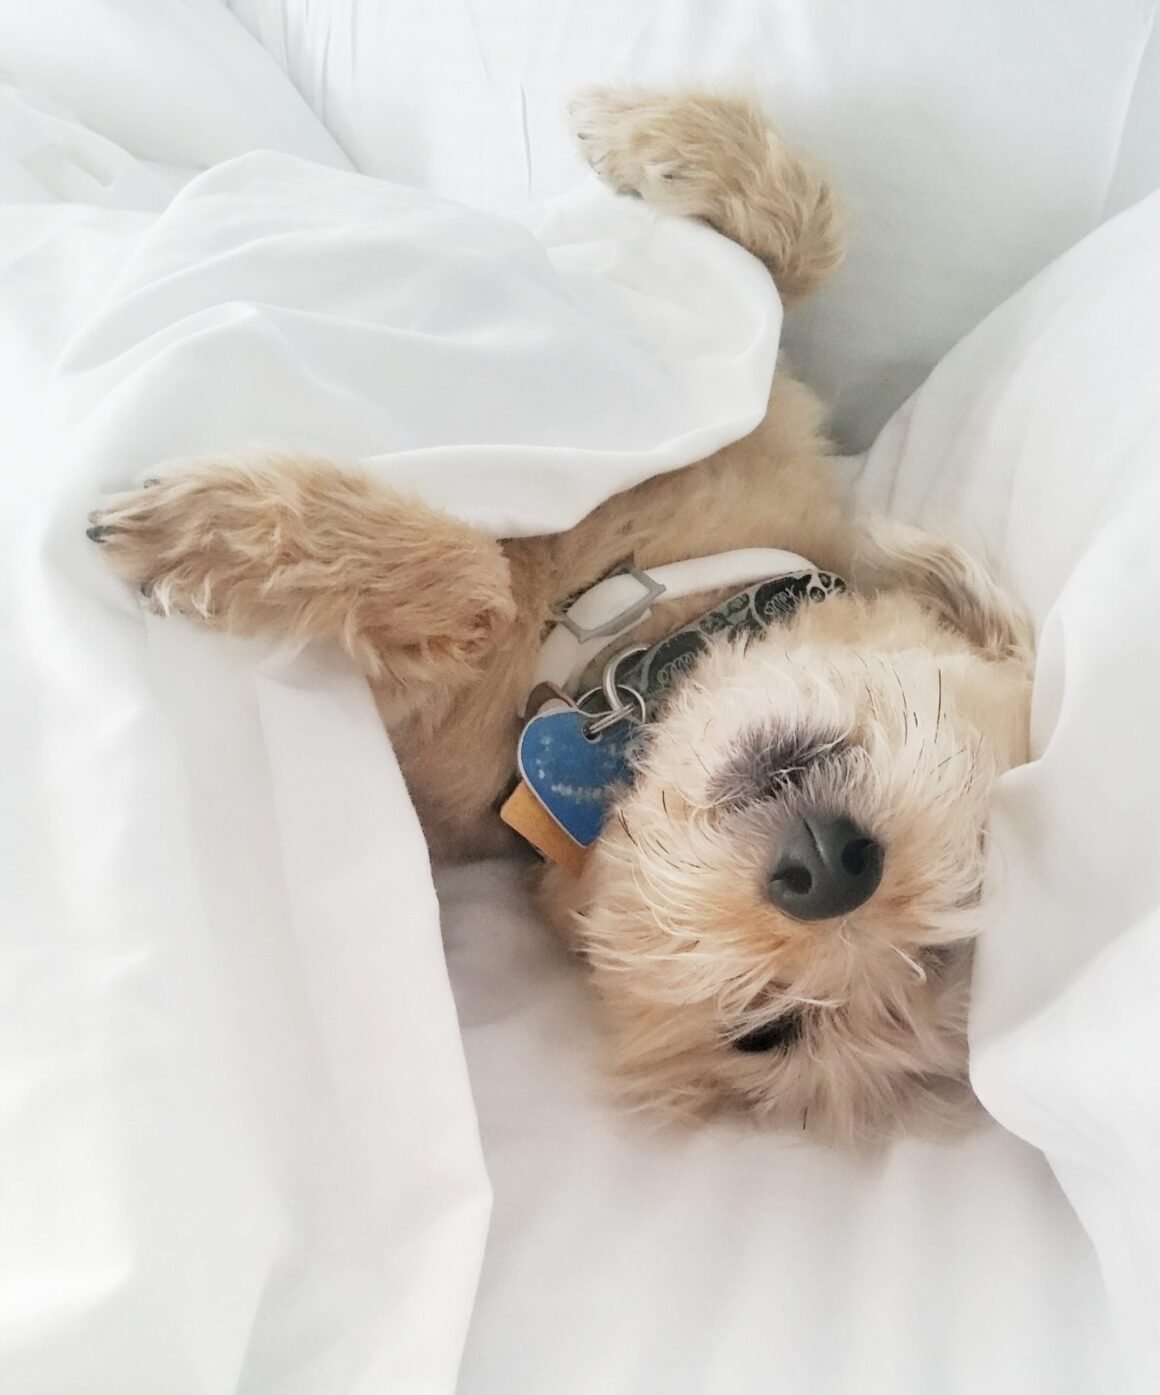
(779, 911)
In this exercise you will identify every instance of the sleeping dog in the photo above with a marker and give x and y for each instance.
(754, 738)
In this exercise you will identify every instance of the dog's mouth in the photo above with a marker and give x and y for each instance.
(777, 1035)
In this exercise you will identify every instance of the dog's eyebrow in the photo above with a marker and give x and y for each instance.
(763, 764)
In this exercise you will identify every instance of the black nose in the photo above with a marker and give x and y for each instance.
(825, 867)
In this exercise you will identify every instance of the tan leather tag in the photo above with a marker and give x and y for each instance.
(524, 812)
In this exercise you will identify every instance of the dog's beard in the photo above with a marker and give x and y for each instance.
(852, 1025)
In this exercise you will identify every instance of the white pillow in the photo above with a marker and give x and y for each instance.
(1040, 434)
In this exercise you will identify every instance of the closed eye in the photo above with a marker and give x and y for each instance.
(763, 766)
(777, 1035)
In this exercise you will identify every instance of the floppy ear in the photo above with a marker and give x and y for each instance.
(955, 586)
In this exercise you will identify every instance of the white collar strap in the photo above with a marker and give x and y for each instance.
(619, 603)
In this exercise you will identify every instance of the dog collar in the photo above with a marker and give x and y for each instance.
(574, 752)
(622, 599)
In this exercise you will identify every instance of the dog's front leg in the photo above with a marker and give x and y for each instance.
(304, 549)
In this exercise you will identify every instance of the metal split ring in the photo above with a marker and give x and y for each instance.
(618, 710)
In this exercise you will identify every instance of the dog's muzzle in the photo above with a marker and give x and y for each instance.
(826, 867)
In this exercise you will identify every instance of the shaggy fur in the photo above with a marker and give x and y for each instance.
(894, 704)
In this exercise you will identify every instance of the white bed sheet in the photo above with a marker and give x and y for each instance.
(241, 1152)
(242, 1144)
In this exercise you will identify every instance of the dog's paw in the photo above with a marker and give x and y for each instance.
(310, 550)
(622, 133)
(160, 537)
(682, 152)
(716, 157)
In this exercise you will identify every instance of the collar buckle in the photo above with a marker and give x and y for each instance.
(624, 619)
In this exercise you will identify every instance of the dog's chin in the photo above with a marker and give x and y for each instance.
(835, 1030)
(892, 1061)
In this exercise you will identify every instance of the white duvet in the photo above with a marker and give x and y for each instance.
(264, 1128)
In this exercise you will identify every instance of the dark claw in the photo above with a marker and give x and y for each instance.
(98, 533)
(150, 484)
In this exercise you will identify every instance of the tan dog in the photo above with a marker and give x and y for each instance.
(779, 909)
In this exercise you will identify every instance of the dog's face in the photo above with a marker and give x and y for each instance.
(779, 912)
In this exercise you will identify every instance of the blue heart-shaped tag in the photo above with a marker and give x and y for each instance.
(574, 775)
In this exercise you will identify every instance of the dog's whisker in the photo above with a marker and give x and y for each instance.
(919, 971)
(938, 714)
(905, 707)
(627, 830)
(801, 1000)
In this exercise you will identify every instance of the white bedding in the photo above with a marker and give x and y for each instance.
(251, 1141)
